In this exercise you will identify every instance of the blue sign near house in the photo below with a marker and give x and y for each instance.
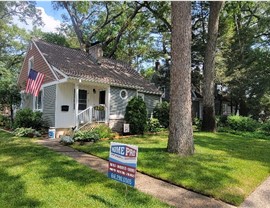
(123, 163)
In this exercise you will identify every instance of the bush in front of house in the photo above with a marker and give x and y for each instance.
(5, 121)
(241, 123)
(66, 140)
(103, 131)
(153, 125)
(266, 127)
(161, 112)
(136, 115)
(197, 123)
(86, 136)
(222, 120)
(26, 132)
(28, 119)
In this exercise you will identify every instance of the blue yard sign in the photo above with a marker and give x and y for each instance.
(123, 163)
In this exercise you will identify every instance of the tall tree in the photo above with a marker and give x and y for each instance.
(13, 43)
(121, 28)
(181, 133)
(209, 122)
(9, 91)
(244, 48)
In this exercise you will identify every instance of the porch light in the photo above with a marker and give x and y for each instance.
(94, 91)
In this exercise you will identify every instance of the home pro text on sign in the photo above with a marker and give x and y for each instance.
(123, 163)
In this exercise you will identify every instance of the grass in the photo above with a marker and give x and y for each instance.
(225, 166)
(34, 176)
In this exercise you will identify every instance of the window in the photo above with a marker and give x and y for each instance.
(82, 99)
(123, 94)
(38, 101)
(102, 96)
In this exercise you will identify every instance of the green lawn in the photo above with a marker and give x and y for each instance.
(34, 176)
(225, 166)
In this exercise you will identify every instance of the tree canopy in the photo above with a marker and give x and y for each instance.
(140, 33)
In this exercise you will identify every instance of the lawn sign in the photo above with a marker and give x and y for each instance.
(123, 163)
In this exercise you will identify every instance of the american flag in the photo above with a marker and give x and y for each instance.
(34, 82)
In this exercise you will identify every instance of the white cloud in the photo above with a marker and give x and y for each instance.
(50, 23)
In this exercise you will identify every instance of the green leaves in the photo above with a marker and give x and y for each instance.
(136, 115)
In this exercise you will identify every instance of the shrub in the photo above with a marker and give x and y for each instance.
(153, 125)
(161, 112)
(26, 132)
(266, 127)
(103, 131)
(66, 140)
(136, 115)
(222, 120)
(28, 119)
(86, 136)
(198, 123)
(5, 121)
(240, 123)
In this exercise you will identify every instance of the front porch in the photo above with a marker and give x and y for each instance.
(91, 101)
(92, 114)
(80, 103)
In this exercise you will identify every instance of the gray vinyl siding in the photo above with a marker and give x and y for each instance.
(49, 105)
(151, 101)
(117, 104)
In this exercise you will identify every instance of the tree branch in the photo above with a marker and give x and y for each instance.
(123, 28)
(75, 24)
(147, 5)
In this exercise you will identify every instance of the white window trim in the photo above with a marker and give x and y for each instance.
(35, 99)
(29, 61)
(120, 94)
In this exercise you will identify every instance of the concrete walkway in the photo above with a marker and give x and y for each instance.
(168, 193)
(260, 198)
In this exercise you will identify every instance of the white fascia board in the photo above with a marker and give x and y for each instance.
(140, 89)
(54, 82)
(45, 61)
(64, 75)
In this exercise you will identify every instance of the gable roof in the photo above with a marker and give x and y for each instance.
(81, 65)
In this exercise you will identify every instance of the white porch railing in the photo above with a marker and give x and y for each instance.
(92, 114)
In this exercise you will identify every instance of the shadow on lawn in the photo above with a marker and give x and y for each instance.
(102, 200)
(186, 171)
(48, 166)
(13, 192)
(237, 146)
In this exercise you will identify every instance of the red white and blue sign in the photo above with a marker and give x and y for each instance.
(123, 163)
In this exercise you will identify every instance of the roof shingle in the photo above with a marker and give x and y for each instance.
(79, 64)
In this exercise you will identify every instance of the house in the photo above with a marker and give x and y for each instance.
(81, 88)
(223, 105)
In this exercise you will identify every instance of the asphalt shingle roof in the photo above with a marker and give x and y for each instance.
(79, 64)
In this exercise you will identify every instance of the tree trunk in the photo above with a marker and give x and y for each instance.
(181, 133)
(209, 122)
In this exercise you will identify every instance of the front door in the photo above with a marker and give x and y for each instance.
(102, 97)
(82, 100)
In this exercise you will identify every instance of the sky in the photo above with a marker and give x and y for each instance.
(51, 18)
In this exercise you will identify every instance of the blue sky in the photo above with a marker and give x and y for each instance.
(50, 17)
(49, 9)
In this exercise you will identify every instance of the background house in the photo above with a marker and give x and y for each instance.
(81, 88)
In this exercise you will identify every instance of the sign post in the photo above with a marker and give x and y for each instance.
(123, 163)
